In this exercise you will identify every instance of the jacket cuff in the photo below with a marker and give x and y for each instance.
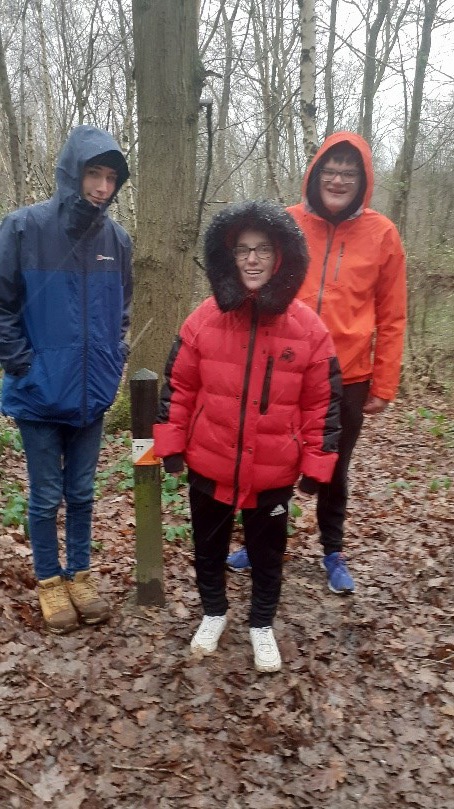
(174, 463)
(124, 350)
(308, 485)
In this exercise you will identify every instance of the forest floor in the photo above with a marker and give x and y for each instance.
(362, 714)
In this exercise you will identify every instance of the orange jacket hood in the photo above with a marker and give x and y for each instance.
(366, 156)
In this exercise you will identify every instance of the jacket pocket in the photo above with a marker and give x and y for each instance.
(192, 427)
(297, 442)
(265, 398)
(22, 379)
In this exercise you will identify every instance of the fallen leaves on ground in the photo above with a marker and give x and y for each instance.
(361, 715)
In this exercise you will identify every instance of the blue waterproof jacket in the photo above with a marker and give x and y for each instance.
(65, 293)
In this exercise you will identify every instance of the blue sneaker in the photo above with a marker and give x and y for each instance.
(339, 579)
(238, 561)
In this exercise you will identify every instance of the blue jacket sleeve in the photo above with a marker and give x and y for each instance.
(16, 354)
(127, 297)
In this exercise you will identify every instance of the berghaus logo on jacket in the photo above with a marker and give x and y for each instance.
(100, 257)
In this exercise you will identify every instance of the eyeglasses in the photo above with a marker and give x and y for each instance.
(347, 177)
(261, 251)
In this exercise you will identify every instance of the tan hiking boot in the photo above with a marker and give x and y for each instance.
(84, 595)
(58, 612)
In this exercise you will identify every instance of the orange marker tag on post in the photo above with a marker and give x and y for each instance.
(143, 452)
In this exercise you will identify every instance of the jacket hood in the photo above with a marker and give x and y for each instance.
(276, 295)
(358, 143)
(84, 144)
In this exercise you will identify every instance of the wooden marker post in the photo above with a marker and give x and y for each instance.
(147, 489)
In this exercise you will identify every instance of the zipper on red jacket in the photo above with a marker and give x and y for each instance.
(325, 264)
(265, 400)
(247, 375)
(339, 259)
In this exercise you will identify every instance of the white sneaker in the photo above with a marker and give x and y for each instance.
(266, 653)
(207, 636)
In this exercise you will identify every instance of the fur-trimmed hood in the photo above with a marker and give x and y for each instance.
(276, 295)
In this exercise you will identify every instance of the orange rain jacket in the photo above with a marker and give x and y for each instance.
(356, 282)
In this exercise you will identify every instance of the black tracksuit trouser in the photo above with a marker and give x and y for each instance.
(265, 533)
(332, 497)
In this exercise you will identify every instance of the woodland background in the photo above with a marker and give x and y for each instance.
(224, 100)
(215, 102)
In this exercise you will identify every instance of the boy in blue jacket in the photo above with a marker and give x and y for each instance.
(65, 293)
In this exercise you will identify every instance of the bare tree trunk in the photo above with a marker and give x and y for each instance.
(80, 76)
(307, 77)
(127, 127)
(169, 79)
(368, 92)
(292, 186)
(264, 61)
(329, 95)
(404, 163)
(221, 143)
(22, 117)
(29, 164)
(276, 92)
(13, 130)
(50, 125)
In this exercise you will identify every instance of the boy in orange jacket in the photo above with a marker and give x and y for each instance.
(356, 283)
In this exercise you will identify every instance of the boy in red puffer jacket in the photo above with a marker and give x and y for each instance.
(250, 403)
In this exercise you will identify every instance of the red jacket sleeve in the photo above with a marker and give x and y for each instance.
(320, 409)
(178, 394)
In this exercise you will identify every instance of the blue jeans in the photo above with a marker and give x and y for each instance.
(61, 463)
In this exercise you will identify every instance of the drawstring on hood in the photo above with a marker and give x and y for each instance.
(291, 264)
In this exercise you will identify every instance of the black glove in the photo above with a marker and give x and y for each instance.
(308, 485)
(174, 463)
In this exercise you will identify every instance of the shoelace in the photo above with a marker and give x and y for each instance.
(264, 638)
(86, 590)
(57, 597)
(211, 623)
(339, 561)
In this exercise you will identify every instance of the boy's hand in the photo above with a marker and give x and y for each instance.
(374, 405)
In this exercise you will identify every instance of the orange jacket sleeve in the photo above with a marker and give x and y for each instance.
(390, 317)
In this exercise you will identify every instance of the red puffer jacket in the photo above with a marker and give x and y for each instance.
(253, 384)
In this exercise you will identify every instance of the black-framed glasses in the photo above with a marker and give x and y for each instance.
(348, 177)
(261, 251)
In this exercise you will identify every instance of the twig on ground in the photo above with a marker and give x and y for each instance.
(144, 618)
(16, 793)
(19, 780)
(150, 769)
(38, 680)
(445, 659)
(23, 701)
